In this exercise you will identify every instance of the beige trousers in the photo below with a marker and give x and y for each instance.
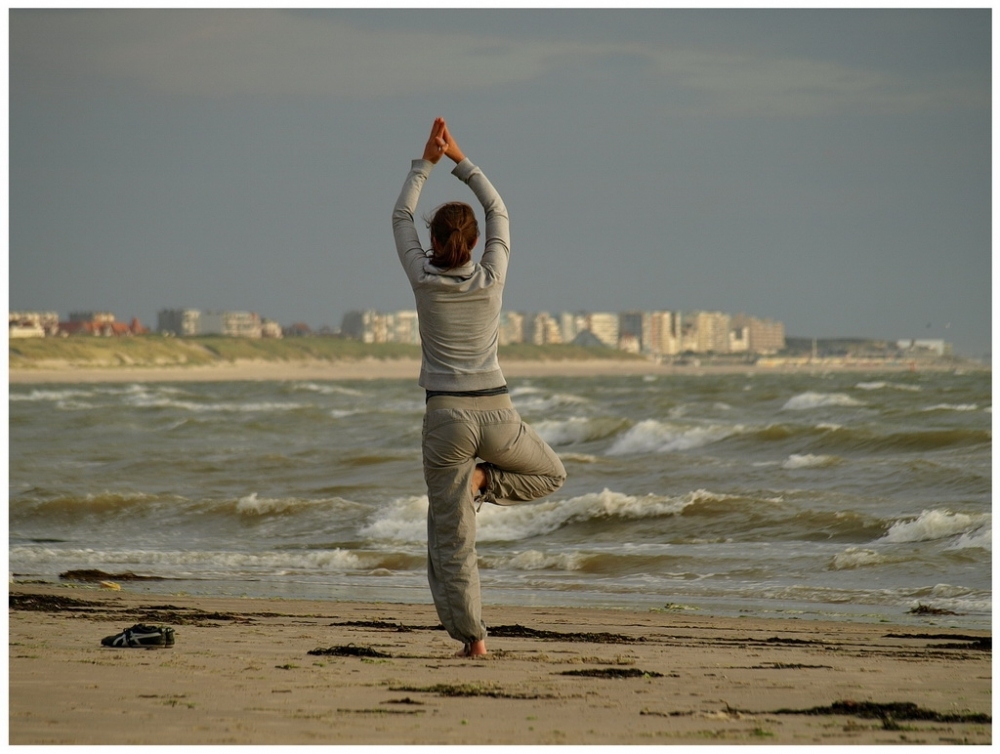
(457, 431)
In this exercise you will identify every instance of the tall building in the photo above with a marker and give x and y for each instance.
(406, 328)
(630, 332)
(664, 333)
(511, 328)
(764, 336)
(541, 329)
(570, 325)
(370, 326)
(709, 332)
(604, 327)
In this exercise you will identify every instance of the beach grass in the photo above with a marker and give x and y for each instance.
(159, 350)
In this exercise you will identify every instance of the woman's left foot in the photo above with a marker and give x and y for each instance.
(473, 649)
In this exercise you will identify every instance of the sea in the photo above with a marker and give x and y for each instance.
(843, 495)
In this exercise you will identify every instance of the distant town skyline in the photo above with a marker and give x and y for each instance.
(828, 168)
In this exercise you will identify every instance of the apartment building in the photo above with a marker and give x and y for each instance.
(542, 329)
(189, 322)
(511, 328)
(764, 336)
(370, 326)
(662, 333)
(603, 326)
(180, 322)
(657, 333)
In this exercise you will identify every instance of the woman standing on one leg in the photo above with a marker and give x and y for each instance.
(469, 413)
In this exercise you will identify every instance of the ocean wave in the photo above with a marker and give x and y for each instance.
(579, 457)
(809, 461)
(918, 440)
(405, 519)
(107, 501)
(888, 385)
(153, 400)
(180, 563)
(327, 389)
(857, 557)
(536, 560)
(937, 524)
(402, 520)
(652, 436)
(810, 400)
(952, 407)
(528, 402)
(251, 505)
(576, 429)
(49, 395)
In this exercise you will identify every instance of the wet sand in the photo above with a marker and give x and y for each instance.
(248, 671)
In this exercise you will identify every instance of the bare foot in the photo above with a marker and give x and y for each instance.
(473, 649)
(479, 479)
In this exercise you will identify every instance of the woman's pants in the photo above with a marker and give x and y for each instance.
(520, 466)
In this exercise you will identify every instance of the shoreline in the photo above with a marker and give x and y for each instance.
(371, 368)
(241, 672)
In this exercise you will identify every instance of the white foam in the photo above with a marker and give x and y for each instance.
(810, 400)
(536, 560)
(49, 395)
(887, 385)
(809, 461)
(146, 400)
(326, 389)
(252, 506)
(538, 403)
(981, 538)
(510, 523)
(952, 407)
(936, 524)
(854, 557)
(175, 563)
(405, 519)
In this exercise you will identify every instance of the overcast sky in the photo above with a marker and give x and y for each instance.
(827, 168)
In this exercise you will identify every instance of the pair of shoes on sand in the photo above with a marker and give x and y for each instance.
(141, 635)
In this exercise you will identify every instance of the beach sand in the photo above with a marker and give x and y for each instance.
(370, 368)
(242, 672)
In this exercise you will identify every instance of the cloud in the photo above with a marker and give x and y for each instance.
(262, 52)
(271, 52)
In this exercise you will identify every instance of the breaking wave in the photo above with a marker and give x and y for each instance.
(930, 525)
(651, 436)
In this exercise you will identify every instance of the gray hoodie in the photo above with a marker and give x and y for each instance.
(458, 310)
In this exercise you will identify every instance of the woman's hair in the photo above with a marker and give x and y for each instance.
(455, 231)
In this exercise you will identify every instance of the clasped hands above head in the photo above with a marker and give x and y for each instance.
(440, 143)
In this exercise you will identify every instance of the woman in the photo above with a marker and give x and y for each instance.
(469, 413)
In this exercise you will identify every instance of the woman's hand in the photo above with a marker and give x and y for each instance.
(450, 145)
(436, 144)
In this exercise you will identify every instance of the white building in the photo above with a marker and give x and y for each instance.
(604, 327)
(233, 324)
(180, 322)
(511, 328)
(541, 329)
(33, 324)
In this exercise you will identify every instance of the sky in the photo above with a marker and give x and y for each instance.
(830, 169)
